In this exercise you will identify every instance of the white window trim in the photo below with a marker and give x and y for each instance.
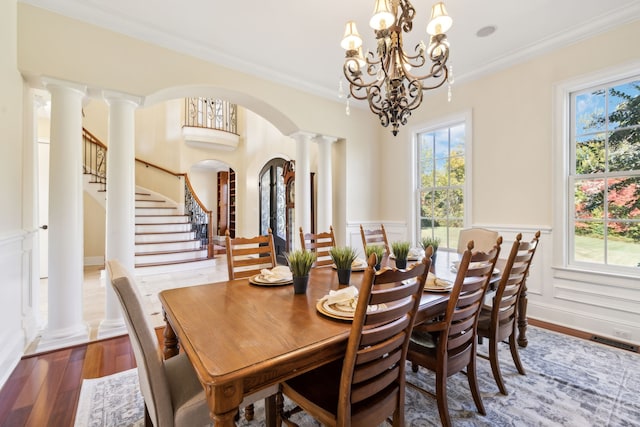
(465, 117)
(561, 127)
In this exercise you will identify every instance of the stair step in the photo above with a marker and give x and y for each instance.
(157, 268)
(170, 256)
(163, 237)
(151, 247)
(163, 228)
(156, 210)
(161, 219)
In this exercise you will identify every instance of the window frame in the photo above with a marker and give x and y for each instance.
(563, 154)
(439, 124)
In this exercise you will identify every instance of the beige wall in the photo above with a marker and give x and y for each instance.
(94, 231)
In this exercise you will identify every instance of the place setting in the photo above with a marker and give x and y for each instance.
(358, 264)
(436, 284)
(277, 276)
(341, 304)
(472, 265)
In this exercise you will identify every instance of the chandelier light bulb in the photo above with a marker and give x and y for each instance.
(382, 17)
(351, 39)
(440, 22)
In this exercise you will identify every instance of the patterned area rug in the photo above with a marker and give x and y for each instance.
(569, 382)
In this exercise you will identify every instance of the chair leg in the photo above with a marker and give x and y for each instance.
(441, 399)
(515, 355)
(473, 384)
(248, 412)
(414, 367)
(495, 365)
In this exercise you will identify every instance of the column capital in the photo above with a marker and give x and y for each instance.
(302, 136)
(112, 97)
(324, 139)
(51, 83)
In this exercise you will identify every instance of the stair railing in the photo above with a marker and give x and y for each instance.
(201, 218)
(94, 159)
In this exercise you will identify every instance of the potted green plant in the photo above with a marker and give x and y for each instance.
(375, 249)
(300, 263)
(343, 257)
(434, 242)
(400, 252)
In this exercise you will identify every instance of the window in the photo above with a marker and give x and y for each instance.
(440, 181)
(604, 176)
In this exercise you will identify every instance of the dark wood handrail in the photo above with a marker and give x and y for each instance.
(149, 164)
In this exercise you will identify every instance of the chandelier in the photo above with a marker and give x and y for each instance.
(395, 80)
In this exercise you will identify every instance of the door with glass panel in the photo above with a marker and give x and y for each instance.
(273, 205)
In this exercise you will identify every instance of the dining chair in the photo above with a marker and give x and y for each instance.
(172, 393)
(375, 237)
(321, 244)
(367, 385)
(497, 322)
(247, 256)
(483, 239)
(447, 344)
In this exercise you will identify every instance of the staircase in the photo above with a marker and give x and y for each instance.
(164, 239)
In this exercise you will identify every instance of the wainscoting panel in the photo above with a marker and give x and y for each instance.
(12, 333)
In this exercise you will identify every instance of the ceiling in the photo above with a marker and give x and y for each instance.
(297, 42)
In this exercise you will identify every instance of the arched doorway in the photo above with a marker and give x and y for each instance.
(273, 205)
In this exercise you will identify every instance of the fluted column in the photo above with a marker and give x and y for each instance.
(120, 211)
(303, 184)
(65, 324)
(324, 207)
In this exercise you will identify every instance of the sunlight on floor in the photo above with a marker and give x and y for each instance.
(93, 293)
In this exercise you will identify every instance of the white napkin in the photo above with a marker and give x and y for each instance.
(345, 298)
(276, 274)
(416, 253)
(434, 282)
(358, 262)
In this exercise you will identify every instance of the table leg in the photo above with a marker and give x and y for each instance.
(270, 411)
(522, 317)
(171, 345)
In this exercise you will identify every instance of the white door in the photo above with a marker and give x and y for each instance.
(43, 206)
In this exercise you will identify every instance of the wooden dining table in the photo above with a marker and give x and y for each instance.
(242, 338)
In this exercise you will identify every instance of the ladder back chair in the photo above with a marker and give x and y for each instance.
(321, 244)
(483, 239)
(247, 256)
(447, 345)
(367, 386)
(498, 321)
(375, 237)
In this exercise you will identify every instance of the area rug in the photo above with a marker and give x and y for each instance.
(111, 401)
(569, 382)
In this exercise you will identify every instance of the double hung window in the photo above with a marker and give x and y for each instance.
(441, 175)
(604, 176)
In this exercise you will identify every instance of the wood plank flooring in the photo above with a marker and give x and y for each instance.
(44, 388)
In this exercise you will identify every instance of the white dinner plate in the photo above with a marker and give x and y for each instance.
(338, 312)
(258, 280)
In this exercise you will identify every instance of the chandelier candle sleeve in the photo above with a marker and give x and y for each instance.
(392, 80)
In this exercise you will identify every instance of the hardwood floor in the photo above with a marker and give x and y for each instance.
(44, 388)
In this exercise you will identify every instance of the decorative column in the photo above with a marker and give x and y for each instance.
(303, 184)
(324, 207)
(120, 211)
(66, 249)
